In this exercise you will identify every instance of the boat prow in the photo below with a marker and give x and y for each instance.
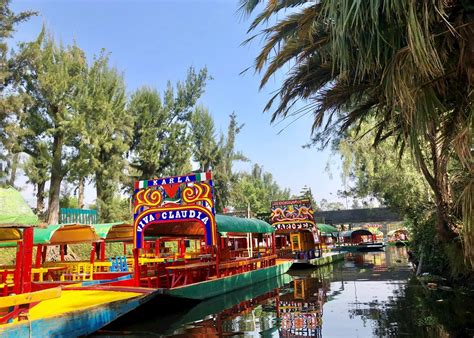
(77, 312)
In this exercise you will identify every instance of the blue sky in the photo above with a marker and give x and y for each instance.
(156, 41)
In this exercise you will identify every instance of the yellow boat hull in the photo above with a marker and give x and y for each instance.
(77, 312)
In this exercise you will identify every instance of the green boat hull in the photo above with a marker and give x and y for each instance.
(326, 260)
(212, 288)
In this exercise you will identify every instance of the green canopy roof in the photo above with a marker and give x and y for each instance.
(242, 225)
(117, 231)
(326, 228)
(14, 211)
(56, 234)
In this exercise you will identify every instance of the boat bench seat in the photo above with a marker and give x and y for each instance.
(76, 276)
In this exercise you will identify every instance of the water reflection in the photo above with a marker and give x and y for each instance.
(369, 294)
(301, 311)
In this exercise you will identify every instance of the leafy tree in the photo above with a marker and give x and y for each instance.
(51, 77)
(405, 64)
(257, 190)
(307, 193)
(396, 182)
(161, 140)
(205, 150)
(224, 176)
(380, 172)
(8, 152)
(325, 205)
(105, 130)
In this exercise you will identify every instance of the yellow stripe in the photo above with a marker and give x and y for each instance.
(75, 300)
(32, 297)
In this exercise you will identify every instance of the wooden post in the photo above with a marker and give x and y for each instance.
(273, 243)
(43, 254)
(27, 259)
(18, 268)
(39, 253)
(124, 248)
(102, 250)
(61, 249)
(136, 266)
(92, 255)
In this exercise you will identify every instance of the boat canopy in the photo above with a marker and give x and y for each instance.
(8, 235)
(326, 228)
(114, 232)
(65, 234)
(225, 224)
(393, 232)
(242, 225)
(14, 211)
(360, 232)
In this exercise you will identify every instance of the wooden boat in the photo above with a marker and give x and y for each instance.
(52, 310)
(358, 240)
(213, 254)
(297, 235)
(398, 237)
(71, 312)
(48, 273)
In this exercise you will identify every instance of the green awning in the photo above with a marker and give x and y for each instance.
(118, 231)
(242, 225)
(14, 211)
(64, 234)
(326, 228)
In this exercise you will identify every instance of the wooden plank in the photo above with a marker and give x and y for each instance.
(191, 266)
(31, 297)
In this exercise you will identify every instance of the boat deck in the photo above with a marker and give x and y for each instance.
(74, 300)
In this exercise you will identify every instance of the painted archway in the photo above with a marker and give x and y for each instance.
(176, 214)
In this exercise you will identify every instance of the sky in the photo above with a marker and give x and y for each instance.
(153, 42)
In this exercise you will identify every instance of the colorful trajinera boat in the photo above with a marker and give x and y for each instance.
(398, 237)
(358, 240)
(30, 307)
(184, 249)
(297, 236)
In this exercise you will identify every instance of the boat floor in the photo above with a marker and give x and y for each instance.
(77, 300)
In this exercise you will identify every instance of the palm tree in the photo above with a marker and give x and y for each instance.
(406, 64)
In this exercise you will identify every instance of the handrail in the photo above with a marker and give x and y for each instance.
(32, 297)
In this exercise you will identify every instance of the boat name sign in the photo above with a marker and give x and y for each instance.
(294, 226)
(186, 213)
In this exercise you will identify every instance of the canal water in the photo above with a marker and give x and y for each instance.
(368, 295)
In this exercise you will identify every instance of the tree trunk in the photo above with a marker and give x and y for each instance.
(439, 183)
(13, 169)
(80, 194)
(56, 179)
(101, 199)
(40, 197)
